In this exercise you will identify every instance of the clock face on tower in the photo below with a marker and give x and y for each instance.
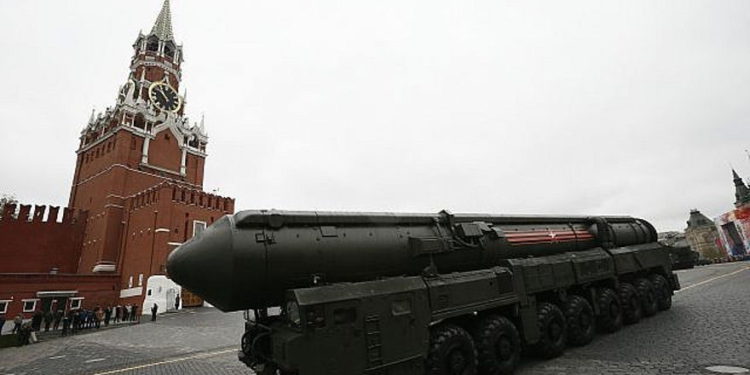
(164, 97)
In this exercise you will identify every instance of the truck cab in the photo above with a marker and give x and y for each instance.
(372, 327)
(346, 328)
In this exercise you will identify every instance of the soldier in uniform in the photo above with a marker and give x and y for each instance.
(36, 320)
(107, 315)
(17, 323)
(66, 323)
(47, 320)
(58, 318)
(154, 309)
(74, 321)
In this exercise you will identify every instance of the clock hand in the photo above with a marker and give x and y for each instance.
(160, 95)
(168, 96)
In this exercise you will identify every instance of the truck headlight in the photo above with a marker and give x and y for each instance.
(292, 312)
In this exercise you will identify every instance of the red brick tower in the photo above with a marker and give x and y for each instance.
(137, 193)
(144, 140)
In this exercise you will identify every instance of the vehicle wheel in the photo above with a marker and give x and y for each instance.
(498, 345)
(269, 369)
(663, 292)
(552, 335)
(647, 294)
(631, 304)
(579, 319)
(610, 311)
(452, 352)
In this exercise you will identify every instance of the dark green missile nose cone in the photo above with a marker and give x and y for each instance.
(205, 264)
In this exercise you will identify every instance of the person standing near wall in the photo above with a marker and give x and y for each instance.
(47, 320)
(99, 316)
(107, 315)
(24, 334)
(154, 309)
(17, 323)
(74, 321)
(36, 320)
(177, 303)
(58, 318)
(66, 323)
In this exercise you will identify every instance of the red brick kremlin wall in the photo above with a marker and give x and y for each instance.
(39, 251)
(33, 243)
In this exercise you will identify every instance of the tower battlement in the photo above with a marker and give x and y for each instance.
(201, 199)
(181, 195)
(23, 213)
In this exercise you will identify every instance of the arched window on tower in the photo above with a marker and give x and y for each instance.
(169, 49)
(152, 44)
(136, 89)
(139, 121)
(193, 142)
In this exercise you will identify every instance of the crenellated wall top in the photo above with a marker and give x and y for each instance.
(26, 213)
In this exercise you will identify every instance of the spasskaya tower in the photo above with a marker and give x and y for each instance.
(143, 141)
(137, 194)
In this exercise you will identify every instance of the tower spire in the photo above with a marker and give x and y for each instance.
(741, 191)
(163, 25)
(202, 126)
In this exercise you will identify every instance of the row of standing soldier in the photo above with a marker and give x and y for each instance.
(82, 319)
(74, 320)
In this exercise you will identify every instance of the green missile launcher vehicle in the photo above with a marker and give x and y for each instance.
(330, 293)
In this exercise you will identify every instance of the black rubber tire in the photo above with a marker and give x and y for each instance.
(632, 311)
(273, 370)
(552, 333)
(610, 311)
(663, 291)
(579, 320)
(498, 345)
(452, 352)
(647, 294)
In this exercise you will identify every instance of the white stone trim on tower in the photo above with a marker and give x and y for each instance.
(144, 155)
(183, 168)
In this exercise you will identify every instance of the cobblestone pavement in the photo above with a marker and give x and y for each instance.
(706, 326)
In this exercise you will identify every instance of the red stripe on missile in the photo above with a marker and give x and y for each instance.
(549, 236)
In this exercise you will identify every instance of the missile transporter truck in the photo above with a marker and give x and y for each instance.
(328, 293)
